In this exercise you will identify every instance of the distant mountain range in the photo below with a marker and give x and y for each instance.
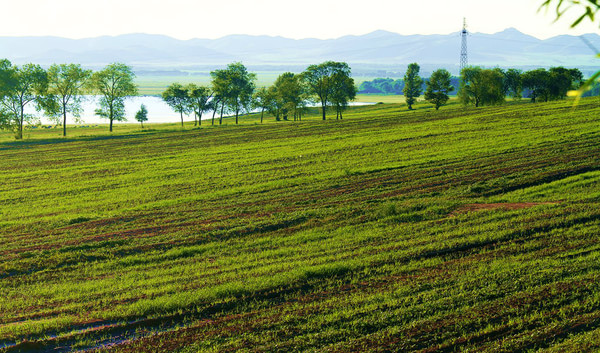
(509, 48)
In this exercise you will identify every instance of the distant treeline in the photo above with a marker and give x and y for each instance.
(549, 84)
(391, 86)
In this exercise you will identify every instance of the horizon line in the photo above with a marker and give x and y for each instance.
(280, 36)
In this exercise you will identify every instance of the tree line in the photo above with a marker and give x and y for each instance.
(491, 86)
(479, 86)
(396, 87)
(61, 90)
(233, 90)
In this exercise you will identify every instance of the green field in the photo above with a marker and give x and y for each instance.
(155, 84)
(391, 230)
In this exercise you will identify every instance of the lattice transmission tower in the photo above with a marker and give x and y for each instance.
(464, 60)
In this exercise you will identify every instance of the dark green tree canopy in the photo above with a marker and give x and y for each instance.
(382, 86)
(412, 84)
(438, 87)
(537, 82)
(481, 86)
(343, 93)
(142, 115)
(551, 84)
(513, 83)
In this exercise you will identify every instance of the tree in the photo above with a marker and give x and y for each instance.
(412, 84)
(213, 105)
(481, 86)
(234, 85)
(263, 100)
(320, 80)
(220, 87)
(513, 83)
(562, 81)
(590, 9)
(176, 96)
(552, 84)
(114, 83)
(241, 88)
(288, 94)
(20, 86)
(199, 97)
(276, 103)
(438, 87)
(537, 81)
(344, 92)
(142, 115)
(65, 89)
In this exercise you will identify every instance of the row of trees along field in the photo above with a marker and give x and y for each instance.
(490, 86)
(59, 91)
(480, 86)
(233, 90)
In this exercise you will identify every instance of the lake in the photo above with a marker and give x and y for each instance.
(158, 111)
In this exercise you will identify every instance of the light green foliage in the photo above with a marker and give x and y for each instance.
(142, 115)
(287, 96)
(413, 84)
(20, 87)
(199, 98)
(344, 92)
(220, 87)
(65, 91)
(464, 230)
(177, 97)
(114, 84)
(438, 87)
(263, 100)
(481, 86)
(234, 87)
(589, 8)
(321, 81)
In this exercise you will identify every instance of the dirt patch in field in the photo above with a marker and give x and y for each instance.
(474, 207)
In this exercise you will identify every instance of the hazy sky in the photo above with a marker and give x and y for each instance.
(186, 19)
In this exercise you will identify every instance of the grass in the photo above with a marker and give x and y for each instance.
(149, 84)
(390, 230)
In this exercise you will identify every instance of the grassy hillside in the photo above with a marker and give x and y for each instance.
(390, 230)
